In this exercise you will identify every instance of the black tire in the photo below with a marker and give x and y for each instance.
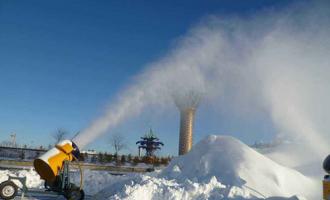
(150, 169)
(8, 190)
(76, 195)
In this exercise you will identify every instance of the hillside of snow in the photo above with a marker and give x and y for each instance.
(218, 167)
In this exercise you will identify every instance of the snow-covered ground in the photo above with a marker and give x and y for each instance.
(218, 167)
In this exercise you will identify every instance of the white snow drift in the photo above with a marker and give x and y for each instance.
(219, 167)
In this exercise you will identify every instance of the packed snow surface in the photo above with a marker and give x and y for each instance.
(218, 167)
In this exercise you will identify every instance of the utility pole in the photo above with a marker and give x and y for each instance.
(139, 152)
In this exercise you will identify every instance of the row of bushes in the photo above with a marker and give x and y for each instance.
(123, 159)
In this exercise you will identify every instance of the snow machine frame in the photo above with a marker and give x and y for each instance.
(61, 186)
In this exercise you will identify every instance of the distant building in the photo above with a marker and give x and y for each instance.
(20, 153)
(90, 152)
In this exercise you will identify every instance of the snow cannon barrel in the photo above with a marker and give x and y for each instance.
(49, 164)
(326, 180)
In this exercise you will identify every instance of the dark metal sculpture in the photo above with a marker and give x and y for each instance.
(150, 143)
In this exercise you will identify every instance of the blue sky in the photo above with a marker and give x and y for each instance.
(62, 61)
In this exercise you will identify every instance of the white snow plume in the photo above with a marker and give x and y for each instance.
(273, 62)
(179, 73)
(294, 70)
(226, 169)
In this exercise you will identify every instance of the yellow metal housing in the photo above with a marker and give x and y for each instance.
(49, 164)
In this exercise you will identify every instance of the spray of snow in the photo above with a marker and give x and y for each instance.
(276, 62)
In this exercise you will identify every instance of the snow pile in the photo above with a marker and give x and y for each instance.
(234, 163)
(32, 178)
(219, 167)
(151, 187)
(95, 181)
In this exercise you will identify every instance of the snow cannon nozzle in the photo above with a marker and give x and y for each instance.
(49, 165)
(75, 152)
(326, 164)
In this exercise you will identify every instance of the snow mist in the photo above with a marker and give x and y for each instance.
(277, 61)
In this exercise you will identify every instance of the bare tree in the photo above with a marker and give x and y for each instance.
(117, 141)
(59, 135)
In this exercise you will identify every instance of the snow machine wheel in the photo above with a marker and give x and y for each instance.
(150, 169)
(76, 195)
(8, 190)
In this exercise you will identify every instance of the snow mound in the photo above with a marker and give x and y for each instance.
(219, 167)
(95, 181)
(32, 178)
(151, 187)
(236, 164)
